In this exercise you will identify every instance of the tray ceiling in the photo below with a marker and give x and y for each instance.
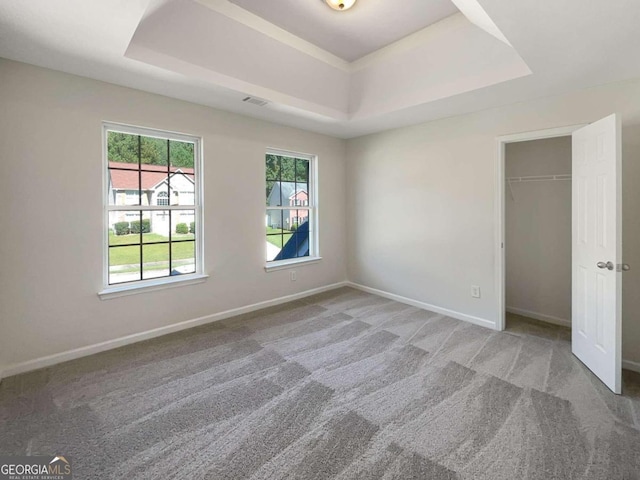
(350, 35)
(229, 48)
(216, 53)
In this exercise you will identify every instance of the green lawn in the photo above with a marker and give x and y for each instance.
(277, 240)
(151, 253)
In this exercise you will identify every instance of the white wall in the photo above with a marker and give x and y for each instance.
(538, 229)
(422, 202)
(51, 212)
(448, 58)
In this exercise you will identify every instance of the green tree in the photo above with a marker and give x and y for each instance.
(124, 148)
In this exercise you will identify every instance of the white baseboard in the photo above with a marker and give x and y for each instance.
(54, 359)
(539, 316)
(15, 369)
(629, 365)
(426, 306)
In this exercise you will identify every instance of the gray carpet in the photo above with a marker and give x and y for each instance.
(342, 385)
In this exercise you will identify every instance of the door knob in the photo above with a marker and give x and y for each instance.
(608, 265)
(623, 267)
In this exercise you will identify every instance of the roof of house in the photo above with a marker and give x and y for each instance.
(124, 176)
(298, 192)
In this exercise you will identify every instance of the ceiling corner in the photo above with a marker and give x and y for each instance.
(476, 15)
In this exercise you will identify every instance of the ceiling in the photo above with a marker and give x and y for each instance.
(350, 35)
(215, 53)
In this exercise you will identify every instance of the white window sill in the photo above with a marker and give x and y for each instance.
(285, 264)
(116, 291)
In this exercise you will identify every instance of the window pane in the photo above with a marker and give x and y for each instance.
(154, 151)
(276, 235)
(124, 197)
(155, 184)
(183, 224)
(183, 227)
(300, 196)
(274, 245)
(181, 155)
(274, 219)
(183, 257)
(155, 226)
(122, 148)
(280, 194)
(275, 241)
(124, 181)
(288, 166)
(301, 245)
(298, 218)
(124, 264)
(273, 197)
(273, 167)
(182, 189)
(297, 245)
(155, 260)
(302, 170)
(120, 232)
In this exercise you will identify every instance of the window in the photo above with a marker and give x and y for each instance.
(290, 208)
(147, 242)
(163, 198)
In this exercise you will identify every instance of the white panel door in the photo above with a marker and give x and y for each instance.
(597, 250)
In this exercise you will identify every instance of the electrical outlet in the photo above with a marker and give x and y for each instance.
(293, 275)
(475, 291)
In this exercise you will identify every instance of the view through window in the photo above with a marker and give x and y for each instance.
(152, 205)
(289, 207)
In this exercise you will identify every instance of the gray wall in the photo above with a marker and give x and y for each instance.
(538, 230)
(422, 202)
(52, 224)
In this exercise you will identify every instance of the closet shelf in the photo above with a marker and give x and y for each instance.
(539, 178)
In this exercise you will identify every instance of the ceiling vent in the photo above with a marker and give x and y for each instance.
(256, 101)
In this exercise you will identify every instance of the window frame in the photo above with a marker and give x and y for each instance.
(312, 208)
(139, 286)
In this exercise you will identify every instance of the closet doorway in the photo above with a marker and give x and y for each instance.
(538, 231)
(559, 206)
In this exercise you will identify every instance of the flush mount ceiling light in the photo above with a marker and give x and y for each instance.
(340, 5)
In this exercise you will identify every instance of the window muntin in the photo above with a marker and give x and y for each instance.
(152, 231)
(290, 207)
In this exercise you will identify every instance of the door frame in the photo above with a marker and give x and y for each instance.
(500, 260)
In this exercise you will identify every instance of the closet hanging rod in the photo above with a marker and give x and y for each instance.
(539, 178)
